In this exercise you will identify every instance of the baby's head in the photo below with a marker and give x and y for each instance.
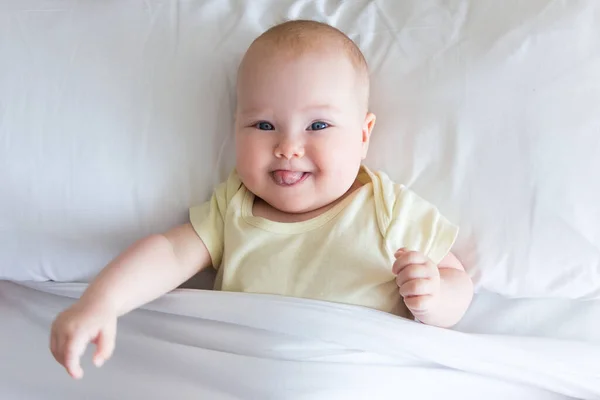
(302, 121)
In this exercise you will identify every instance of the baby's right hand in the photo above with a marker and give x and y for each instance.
(75, 328)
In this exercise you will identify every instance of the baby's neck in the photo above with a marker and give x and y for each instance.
(262, 209)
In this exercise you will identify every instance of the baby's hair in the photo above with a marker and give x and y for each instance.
(293, 38)
(302, 35)
(298, 36)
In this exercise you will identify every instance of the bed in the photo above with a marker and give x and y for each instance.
(115, 117)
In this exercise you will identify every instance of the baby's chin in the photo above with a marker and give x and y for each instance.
(295, 205)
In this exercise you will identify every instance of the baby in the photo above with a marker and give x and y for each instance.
(300, 215)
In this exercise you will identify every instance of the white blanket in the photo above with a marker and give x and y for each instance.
(212, 345)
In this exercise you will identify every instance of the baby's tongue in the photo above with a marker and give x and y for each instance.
(287, 177)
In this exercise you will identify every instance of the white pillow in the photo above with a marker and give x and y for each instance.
(117, 116)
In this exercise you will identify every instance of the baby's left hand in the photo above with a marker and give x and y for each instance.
(418, 280)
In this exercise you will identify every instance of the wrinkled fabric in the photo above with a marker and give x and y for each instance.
(115, 117)
(219, 345)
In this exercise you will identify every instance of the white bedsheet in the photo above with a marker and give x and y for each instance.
(116, 116)
(550, 318)
(202, 344)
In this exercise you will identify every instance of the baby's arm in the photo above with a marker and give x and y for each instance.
(435, 294)
(149, 269)
(145, 271)
(456, 293)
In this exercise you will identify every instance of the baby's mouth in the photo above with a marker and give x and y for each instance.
(288, 178)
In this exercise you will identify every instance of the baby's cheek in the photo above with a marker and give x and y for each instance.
(344, 164)
(250, 153)
(247, 170)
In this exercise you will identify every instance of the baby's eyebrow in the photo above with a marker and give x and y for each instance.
(321, 107)
(251, 112)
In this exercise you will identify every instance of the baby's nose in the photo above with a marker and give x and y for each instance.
(289, 149)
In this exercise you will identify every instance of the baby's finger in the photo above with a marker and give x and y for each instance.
(105, 344)
(73, 350)
(416, 287)
(59, 353)
(400, 251)
(414, 271)
(54, 345)
(419, 304)
(407, 258)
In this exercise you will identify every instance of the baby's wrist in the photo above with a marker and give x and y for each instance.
(96, 304)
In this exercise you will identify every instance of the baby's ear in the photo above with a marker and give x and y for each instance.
(367, 129)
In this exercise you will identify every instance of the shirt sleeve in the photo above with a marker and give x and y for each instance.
(417, 225)
(208, 219)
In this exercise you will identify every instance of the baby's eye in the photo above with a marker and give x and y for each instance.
(264, 126)
(317, 126)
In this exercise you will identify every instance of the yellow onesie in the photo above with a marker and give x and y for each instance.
(344, 255)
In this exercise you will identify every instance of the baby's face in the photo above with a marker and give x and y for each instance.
(302, 128)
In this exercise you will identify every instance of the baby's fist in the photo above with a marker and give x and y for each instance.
(418, 280)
